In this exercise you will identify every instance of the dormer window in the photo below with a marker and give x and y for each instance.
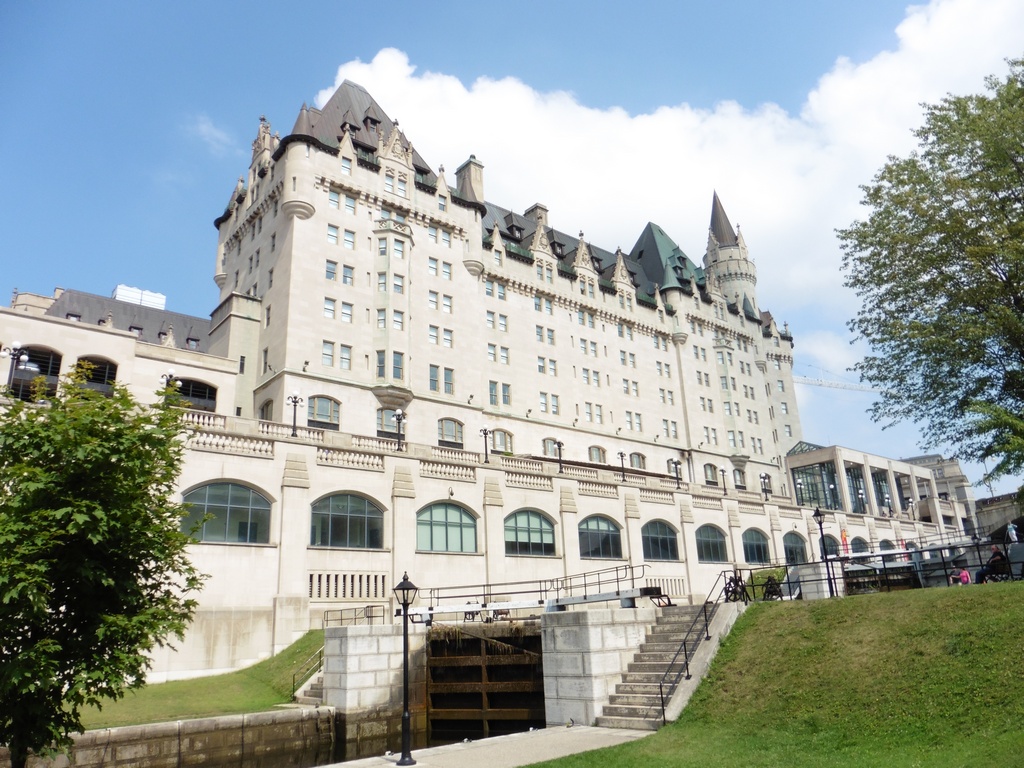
(515, 232)
(558, 249)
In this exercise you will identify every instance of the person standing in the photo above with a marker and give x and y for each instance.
(1011, 532)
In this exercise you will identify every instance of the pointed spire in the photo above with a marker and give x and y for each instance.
(303, 124)
(720, 227)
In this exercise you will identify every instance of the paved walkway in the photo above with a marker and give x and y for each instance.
(510, 751)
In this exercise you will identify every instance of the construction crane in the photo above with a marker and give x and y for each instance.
(833, 384)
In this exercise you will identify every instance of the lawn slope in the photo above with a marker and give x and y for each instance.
(919, 678)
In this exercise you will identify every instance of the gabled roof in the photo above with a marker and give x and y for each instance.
(352, 105)
(91, 309)
(662, 261)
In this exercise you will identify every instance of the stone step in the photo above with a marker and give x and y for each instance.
(647, 711)
(656, 668)
(642, 689)
(635, 723)
(642, 678)
(309, 701)
(634, 699)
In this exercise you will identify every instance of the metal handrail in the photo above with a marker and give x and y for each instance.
(309, 667)
(590, 582)
(703, 615)
(363, 614)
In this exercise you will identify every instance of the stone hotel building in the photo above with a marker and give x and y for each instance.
(401, 375)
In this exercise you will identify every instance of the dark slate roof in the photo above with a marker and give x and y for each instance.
(720, 226)
(91, 309)
(662, 261)
(351, 104)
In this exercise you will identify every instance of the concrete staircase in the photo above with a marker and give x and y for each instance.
(636, 702)
(312, 693)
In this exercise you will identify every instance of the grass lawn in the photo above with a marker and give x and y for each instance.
(253, 689)
(919, 678)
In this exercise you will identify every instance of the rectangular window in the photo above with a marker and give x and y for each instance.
(401, 187)
(350, 240)
(442, 203)
(346, 312)
(382, 246)
(432, 234)
(449, 381)
(784, 407)
(399, 249)
(333, 198)
(492, 352)
(490, 319)
(398, 284)
(446, 270)
(446, 238)
(554, 405)
(506, 394)
(435, 381)
(446, 338)
(346, 166)
(382, 282)
(598, 414)
(503, 355)
(380, 363)
(345, 357)
(446, 304)
(397, 365)
(431, 266)
(270, 278)
(432, 299)
(398, 320)
(327, 354)
(332, 234)
(347, 276)
(382, 318)
(432, 333)
(350, 204)
(329, 308)
(331, 272)
(389, 183)
(543, 402)
(492, 392)
(781, 385)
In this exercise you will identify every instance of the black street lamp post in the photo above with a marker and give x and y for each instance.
(676, 463)
(819, 518)
(406, 591)
(399, 418)
(722, 472)
(18, 358)
(559, 445)
(294, 401)
(170, 381)
(622, 463)
(766, 485)
(800, 492)
(486, 434)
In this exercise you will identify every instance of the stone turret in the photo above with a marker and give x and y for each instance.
(727, 262)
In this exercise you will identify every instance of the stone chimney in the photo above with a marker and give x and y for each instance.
(469, 180)
(537, 213)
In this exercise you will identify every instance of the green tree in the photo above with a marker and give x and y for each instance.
(939, 268)
(93, 567)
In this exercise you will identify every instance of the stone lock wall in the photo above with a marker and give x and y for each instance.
(285, 737)
(585, 654)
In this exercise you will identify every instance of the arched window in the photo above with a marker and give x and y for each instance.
(323, 413)
(795, 548)
(199, 396)
(858, 545)
(711, 545)
(600, 538)
(887, 546)
(449, 433)
(267, 410)
(659, 541)
(550, 447)
(755, 547)
(237, 514)
(739, 479)
(99, 373)
(501, 441)
(597, 454)
(831, 545)
(41, 363)
(528, 532)
(345, 520)
(386, 424)
(710, 474)
(445, 527)
(637, 461)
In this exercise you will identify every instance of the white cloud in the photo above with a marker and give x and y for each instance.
(218, 142)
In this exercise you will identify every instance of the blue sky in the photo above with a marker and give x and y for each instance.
(129, 122)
